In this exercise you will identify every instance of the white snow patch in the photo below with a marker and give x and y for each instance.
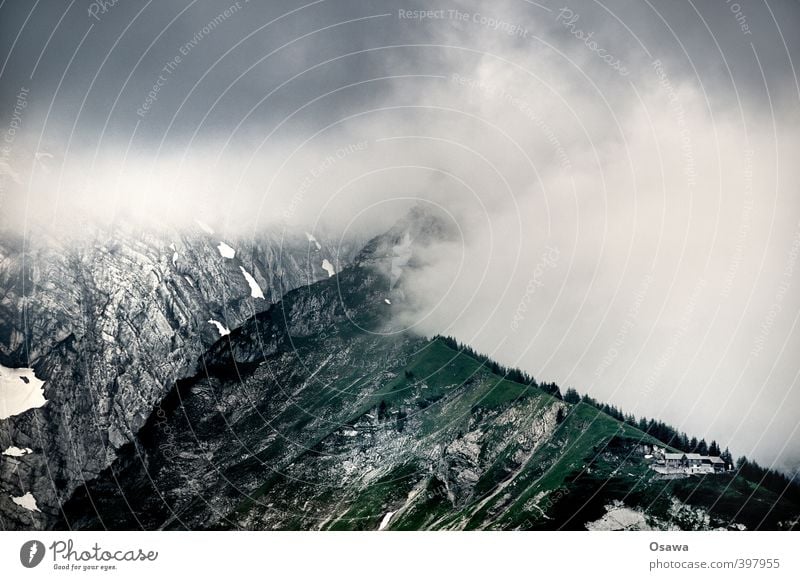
(16, 451)
(313, 240)
(220, 327)
(225, 250)
(174, 258)
(620, 517)
(189, 280)
(385, 521)
(20, 390)
(27, 501)
(387, 301)
(255, 289)
(740, 527)
(204, 227)
(328, 267)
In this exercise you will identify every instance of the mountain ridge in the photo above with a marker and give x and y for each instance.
(109, 319)
(319, 414)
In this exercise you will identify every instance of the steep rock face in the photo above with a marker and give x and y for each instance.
(318, 414)
(109, 321)
(321, 413)
(426, 480)
(311, 438)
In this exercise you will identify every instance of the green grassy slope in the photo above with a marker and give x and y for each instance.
(590, 460)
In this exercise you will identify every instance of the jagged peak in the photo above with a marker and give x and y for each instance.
(420, 227)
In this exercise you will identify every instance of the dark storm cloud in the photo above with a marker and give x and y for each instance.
(111, 69)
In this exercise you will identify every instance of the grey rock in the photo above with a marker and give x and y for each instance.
(110, 320)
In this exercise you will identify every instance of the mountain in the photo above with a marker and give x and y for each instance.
(109, 320)
(321, 412)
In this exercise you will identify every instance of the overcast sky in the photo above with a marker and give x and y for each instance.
(624, 174)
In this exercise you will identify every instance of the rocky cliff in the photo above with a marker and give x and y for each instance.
(318, 411)
(322, 413)
(109, 320)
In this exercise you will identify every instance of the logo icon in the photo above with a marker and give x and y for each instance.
(31, 553)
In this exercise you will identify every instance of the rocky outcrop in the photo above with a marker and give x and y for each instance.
(316, 412)
(110, 320)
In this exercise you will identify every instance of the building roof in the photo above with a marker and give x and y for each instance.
(693, 456)
(716, 460)
(674, 455)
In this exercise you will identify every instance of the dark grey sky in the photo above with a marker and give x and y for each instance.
(668, 194)
(98, 70)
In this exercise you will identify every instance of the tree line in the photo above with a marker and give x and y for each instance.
(511, 373)
(770, 479)
(665, 433)
(767, 478)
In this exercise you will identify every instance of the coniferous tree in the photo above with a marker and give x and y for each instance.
(750, 470)
(727, 457)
